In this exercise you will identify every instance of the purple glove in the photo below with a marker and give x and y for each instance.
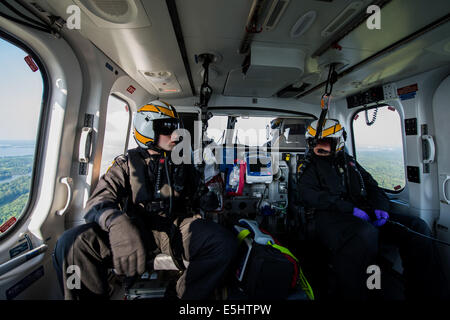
(360, 214)
(382, 217)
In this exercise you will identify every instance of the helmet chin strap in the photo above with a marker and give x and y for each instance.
(154, 146)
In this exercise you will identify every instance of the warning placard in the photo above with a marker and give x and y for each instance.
(407, 89)
(7, 224)
(29, 60)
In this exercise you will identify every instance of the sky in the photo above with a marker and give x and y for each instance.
(21, 92)
(251, 131)
(385, 132)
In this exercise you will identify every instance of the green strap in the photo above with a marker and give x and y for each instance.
(282, 249)
(302, 279)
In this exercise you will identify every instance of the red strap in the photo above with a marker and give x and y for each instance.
(242, 168)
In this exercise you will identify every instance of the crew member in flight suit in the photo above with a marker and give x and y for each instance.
(352, 213)
(139, 207)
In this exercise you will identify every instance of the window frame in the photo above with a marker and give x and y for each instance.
(358, 110)
(40, 134)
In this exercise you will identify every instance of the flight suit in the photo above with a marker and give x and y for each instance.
(137, 185)
(354, 242)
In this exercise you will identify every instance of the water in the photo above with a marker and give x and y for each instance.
(15, 148)
(14, 178)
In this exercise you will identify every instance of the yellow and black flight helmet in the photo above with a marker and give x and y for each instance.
(151, 120)
(332, 130)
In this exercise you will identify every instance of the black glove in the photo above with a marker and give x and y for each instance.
(127, 247)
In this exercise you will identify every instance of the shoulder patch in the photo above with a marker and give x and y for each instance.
(119, 160)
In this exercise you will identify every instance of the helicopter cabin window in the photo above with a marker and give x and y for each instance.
(116, 131)
(217, 126)
(22, 91)
(251, 131)
(378, 141)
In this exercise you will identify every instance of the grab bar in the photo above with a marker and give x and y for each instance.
(444, 195)
(68, 182)
(17, 261)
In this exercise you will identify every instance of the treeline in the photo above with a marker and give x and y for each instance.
(386, 167)
(14, 194)
(13, 209)
(15, 166)
(14, 189)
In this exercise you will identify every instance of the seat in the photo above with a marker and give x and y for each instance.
(165, 262)
(157, 282)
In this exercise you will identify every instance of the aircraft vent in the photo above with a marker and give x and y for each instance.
(303, 24)
(115, 13)
(274, 13)
(342, 18)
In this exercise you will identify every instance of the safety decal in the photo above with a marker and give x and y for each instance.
(8, 224)
(23, 284)
(22, 247)
(408, 92)
(29, 60)
(131, 89)
(109, 67)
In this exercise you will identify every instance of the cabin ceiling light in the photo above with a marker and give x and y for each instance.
(163, 81)
(158, 75)
(303, 24)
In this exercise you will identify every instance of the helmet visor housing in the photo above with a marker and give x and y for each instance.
(165, 126)
(332, 133)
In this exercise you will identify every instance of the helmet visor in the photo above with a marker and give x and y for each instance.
(166, 126)
(325, 145)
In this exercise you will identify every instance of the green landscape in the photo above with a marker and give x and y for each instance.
(385, 165)
(14, 191)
